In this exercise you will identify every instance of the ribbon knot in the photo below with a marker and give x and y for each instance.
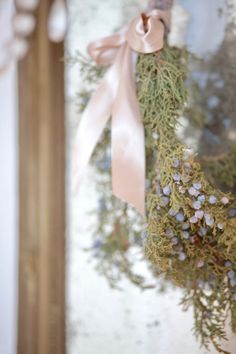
(116, 98)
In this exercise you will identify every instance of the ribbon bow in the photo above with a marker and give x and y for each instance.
(116, 98)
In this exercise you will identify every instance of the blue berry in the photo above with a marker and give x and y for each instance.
(97, 244)
(172, 212)
(197, 185)
(105, 164)
(231, 274)
(199, 214)
(182, 256)
(175, 240)
(144, 235)
(193, 192)
(233, 282)
(102, 204)
(232, 213)
(185, 226)
(196, 205)
(193, 220)
(180, 217)
(201, 198)
(164, 201)
(167, 190)
(212, 199)
(213, 102)
(209, 220)
(220, 226)
(185, 235)
(169, 233)
(175, 163)
(202, 231)
(177, 177)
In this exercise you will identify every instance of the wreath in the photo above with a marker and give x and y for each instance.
(189, 233)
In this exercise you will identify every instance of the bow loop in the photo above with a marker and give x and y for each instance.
(146, 32)
(104, 51)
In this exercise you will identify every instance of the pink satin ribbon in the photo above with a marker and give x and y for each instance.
(116, 98)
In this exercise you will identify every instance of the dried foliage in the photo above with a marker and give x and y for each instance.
(191, 225)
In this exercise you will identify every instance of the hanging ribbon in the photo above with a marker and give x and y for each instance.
(116, 98)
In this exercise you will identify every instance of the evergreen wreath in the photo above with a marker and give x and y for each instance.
(190, 237)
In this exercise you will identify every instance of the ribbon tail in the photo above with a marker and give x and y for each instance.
(93, 122)
(128, 146)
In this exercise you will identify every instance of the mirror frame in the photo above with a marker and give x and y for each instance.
(41, 304)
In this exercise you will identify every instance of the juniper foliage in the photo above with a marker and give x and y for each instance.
(191, 224)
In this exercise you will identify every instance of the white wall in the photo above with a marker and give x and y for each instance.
(8, 196)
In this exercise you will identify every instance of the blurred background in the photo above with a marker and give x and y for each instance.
(53, 299)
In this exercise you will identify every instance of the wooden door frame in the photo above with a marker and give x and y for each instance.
(41, 314)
